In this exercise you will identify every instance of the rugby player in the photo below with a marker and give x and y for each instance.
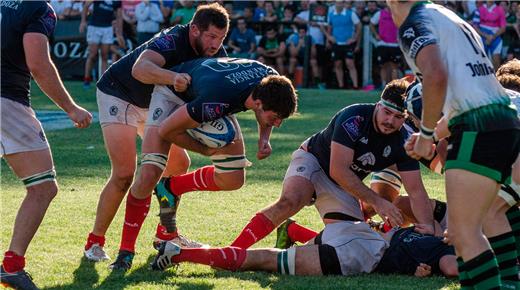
(330, 167)
(218, 87)
(123, 100)
(484, 139)
(26, 28)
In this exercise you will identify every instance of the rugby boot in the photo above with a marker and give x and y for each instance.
(163, 260)
(283, 241)
(162, 236)
(123, 261)
(18, 280)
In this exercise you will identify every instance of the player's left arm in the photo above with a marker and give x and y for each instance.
(264, 145)
(419, 199)
(173, 129)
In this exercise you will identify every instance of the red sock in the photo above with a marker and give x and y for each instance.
(228, 258)
(135, 213)
(298, 233)
(202, 179)
(257, 228)
(12, 262)
(93, 239)
(162, 233)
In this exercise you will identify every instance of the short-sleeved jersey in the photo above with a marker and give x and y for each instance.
(408, 249)
(343, 24)
(104, 12)
(472, 82)
(18, 18)
(219, 86)
(373, 151)
(172, 43)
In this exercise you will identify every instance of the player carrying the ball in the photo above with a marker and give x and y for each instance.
(217, 88)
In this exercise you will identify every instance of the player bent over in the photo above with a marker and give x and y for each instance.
(331, 165)
(26, 27)
(219, 87)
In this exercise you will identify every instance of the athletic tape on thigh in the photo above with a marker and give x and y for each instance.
(49, 175)
(510, 193)
(227, 163)
(156, 159)
(286, 261)
(387, 176)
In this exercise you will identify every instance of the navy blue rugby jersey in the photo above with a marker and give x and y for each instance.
(353, 127)
(18, 18)
(172, 43)
(219, 86)
(103, 13)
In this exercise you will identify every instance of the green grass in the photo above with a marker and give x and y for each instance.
(55, 255)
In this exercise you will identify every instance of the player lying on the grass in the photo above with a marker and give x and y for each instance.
(331, 164)
(219, 87)
(342, 248)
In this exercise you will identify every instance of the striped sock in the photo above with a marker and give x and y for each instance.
(505, 252)
(465, 281)
(513, 216)
(483, 271)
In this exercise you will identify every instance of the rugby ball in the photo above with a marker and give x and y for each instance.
(414, 99)
(215, 134)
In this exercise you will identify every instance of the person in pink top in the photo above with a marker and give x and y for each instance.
(490, 22)
(388, 53)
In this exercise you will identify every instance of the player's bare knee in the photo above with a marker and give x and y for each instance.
(44, 192)
(122, 179)
(288, 203)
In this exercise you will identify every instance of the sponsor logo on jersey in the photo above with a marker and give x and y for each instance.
(42, 136)
(409, 33)
(49, 21)
(480, 69)
(387, 151)
(419, 43)
(367, 159)
(353, 125)
(300, 169)
(212, 111)
(164, 43)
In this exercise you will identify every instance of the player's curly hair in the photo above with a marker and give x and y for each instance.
(211, 14)
(277, 94)
(395, 92)
(510, 81)
(511, 67)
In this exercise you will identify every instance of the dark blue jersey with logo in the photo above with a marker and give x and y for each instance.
(408, 249)
(18, 18)
(220, 86)
(172, 43)
(103, 13)
(353, 127)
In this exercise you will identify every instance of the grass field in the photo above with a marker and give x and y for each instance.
(55, 256)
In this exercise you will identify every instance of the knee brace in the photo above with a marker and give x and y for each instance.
(49, 175)
(228, 163)
(286, 261)
(155, 159)
(387, 176)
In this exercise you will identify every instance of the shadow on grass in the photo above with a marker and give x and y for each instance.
(85, 276)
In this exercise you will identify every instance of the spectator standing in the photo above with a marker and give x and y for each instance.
(388, 53)
(297, 46)
(286, 26)
(344, 32)
(271, 49)
(242, 40)
(149, 18)
(490, 22)
(74, 11)
(100, 33)
(166, 7)
(60, 7)
(184, 14)
(514, 47)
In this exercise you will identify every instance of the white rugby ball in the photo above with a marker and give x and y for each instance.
(214, 134)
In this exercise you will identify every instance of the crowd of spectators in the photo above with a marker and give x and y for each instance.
(281, 34)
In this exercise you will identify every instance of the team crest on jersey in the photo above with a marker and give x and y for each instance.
(165, 43)
(212, 111)
(113, 110)
(300, 169)
(364, 140)
(49, 21)
(353, 125)
(409, 33)
(367, 159)
(157, 113)
(387, 151)
(42, 136)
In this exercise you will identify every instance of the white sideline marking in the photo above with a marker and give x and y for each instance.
(58, 120)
